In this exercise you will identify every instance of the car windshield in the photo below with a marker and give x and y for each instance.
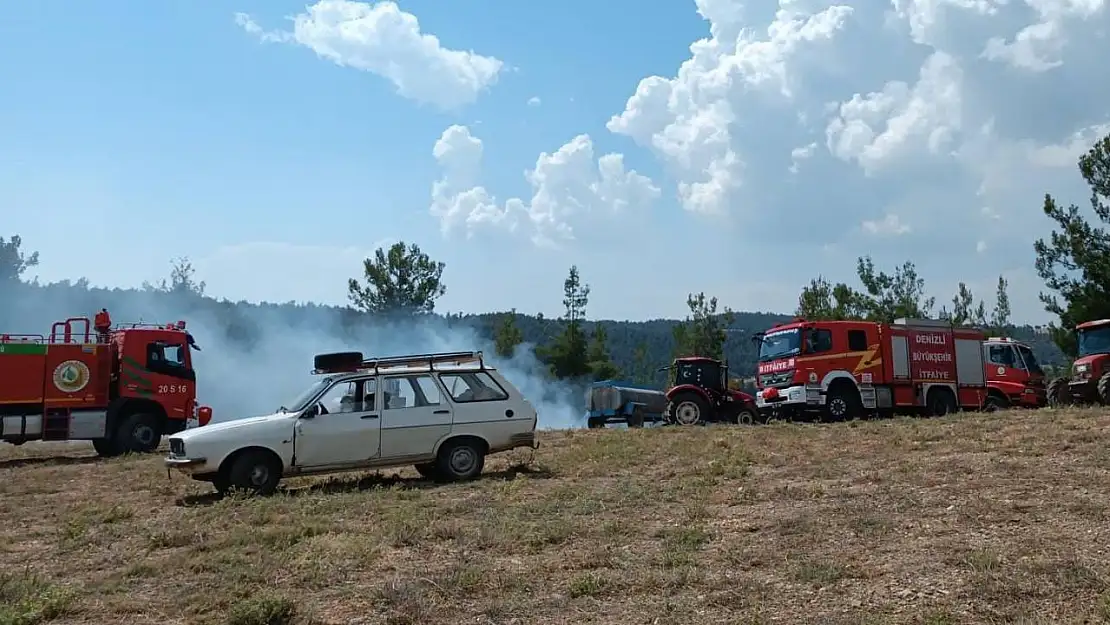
(780, 344)
(1031, 363)
(1094, 341)
(302, 400)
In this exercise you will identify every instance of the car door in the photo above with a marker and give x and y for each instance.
(414, 415)
(344, 428)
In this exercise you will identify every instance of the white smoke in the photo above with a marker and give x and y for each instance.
(255, 358)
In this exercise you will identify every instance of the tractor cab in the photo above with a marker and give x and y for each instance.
(709, 374)
(1089, 382)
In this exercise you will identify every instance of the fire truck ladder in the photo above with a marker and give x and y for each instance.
(55, 424)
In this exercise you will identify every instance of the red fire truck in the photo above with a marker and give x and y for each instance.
(122, 388)
(1014, 377)
(842, 369)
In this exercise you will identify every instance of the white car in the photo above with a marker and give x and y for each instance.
(443, 413)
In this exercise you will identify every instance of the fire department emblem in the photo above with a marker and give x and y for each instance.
(71, 376)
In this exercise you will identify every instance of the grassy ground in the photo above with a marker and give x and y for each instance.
(971, 519)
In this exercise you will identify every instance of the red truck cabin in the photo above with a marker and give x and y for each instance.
(846, 368)
(1014, 376)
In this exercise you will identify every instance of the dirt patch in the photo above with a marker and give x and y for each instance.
(968, 519)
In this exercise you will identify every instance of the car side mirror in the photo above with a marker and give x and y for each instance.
(311, 412)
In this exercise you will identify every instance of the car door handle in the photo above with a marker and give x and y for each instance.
(369, 416)
(442, 412)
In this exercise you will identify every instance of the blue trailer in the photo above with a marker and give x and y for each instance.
(618, 401)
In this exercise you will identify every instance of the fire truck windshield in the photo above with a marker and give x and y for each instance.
(1031, 364)
(1094, 341)
(301, 402)
(780, 344)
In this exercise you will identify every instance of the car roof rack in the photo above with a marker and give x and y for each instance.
(415, 362)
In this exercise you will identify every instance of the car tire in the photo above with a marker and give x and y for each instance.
(139, 433)
(256, 472)
(459, 461)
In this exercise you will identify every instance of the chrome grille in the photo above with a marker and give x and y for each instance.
(177, 447)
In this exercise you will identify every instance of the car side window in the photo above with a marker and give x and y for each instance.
(857, 341)
(472, 387)
(412, 391)
(348, 397)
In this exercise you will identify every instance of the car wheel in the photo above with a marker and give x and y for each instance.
(139, 433)
(255, 472)
(460, 460)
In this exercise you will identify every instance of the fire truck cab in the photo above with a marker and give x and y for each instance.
(121, 388)
(844, 369)
(1014, 377)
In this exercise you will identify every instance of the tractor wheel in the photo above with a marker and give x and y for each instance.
(139, 433)
(1058, 393)
(842, 403)
(690, 409)
(745, 417)
(1104, 388)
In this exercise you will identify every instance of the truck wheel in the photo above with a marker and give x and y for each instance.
(139, 433)
(255, 472)
(460, 460)
(940, 402)
(842, 403)
(105, 447)
(690, 409)
(427, 470)
(1057, 392)
(745, 417)
(995, 402)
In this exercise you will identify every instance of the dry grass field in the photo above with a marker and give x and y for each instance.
(998, 518)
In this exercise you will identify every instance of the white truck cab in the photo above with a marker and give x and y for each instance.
(443, 413)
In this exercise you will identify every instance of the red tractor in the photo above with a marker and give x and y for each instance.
(1089, 382)
(122, 388)
(699, 393)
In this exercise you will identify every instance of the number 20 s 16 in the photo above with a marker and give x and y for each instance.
(171, 389)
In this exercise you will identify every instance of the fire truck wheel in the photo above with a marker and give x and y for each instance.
(256, 472)
(139, 433)
(995, 402)
(940, 402)
(1057, 392)
(105, 447)
(745, 417)
(689, 409)
(1103, 388)
(842, 403)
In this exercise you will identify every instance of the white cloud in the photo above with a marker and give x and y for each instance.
(534, 101)
(567, 184)
(900, 120)
(1039, 46)
(797, 155)
(382, 39)
(889, 225)
(688, 120)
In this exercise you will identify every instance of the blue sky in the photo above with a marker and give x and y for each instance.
(277, 155)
